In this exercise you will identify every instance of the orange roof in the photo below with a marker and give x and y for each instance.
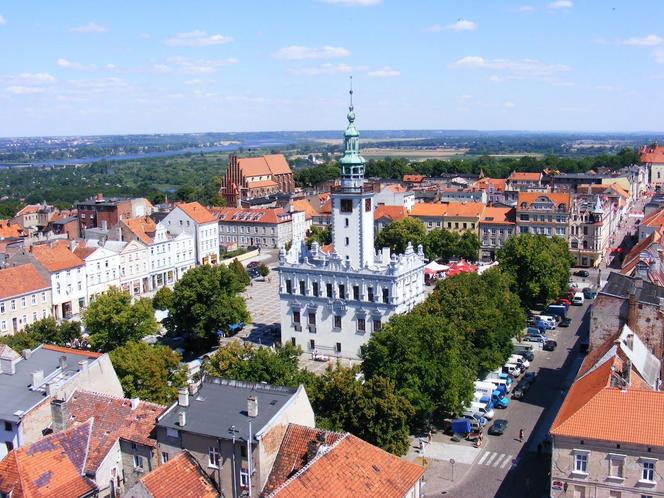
(80, 352)
(263, 183)
(277, 164)
(595, 409)
(180, 477)
(413, 178)
(239, 215)
(498, 216)
(393, 213)
(396, 188)
(8, 229)
(634, 256)
(496, 183)
(29, 209)
(464, 209)
(141, 227)
(56, 258)
(652, 154)
(327, 248)
(197, 212)
(83, 251)
(52, 467)
(525, 176)
(654, 220)
(556, 197)
(428, 209)
(326, 207)
(619, 190)
(19, 280)
(113, 419)
(352, 468)
(304, 205)
(271, 164)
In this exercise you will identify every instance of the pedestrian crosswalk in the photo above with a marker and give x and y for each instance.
(493, 459)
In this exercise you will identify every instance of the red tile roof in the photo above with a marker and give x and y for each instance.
(413, 178)
(634, 256)
(498, 216)
(556, 197)
(484, 183)
(278, 164)
(525, 176)
(464, 209)
(392, 213)
(8, 229)
(271, 164)
(240, 215)
(262, 183)
(652, 154)
(83, 251)
(56, 258)
(80, 352)
(352, 468)
(180, 477)
(305, 206)
(143, 228)
(197, 212)
(113, 419)
(50, 468)
(426, 209)
(29, 209)
(654, 220)
(20, 280)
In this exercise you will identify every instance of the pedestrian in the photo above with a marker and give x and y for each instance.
(539, 449)
(520, 435)
(429, 435)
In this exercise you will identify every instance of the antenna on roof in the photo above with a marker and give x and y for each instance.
(351, 93)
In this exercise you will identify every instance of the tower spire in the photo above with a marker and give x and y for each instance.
(351, 94)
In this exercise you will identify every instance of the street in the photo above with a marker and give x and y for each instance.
(504, 467)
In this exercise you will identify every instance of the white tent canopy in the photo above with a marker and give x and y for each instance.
(435, 267)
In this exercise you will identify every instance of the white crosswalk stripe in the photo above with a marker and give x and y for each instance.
(493, 459)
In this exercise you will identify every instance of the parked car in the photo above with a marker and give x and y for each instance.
(550, 345)
(498, 427)
(530, 377)
(565, 322)
(588, 293)
(564, 301)
(534, 338)
(253, 264)
(582, 273)
(578, 299)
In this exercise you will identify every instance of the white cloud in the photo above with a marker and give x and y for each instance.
(560, 4)
(192, 66)
(509, 69)
(324, 69)
(524, 8)
(298, 52)
(460, 25)
(77, 66)
(645, 41)
(36, 78)
(386, 72)
(91, 27)
(361, 3)
(658, 55)
(24, 90)
(2, 20)
(197, 39)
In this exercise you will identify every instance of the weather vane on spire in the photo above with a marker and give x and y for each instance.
(351, 93)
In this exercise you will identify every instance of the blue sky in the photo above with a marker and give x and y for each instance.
(91, 67)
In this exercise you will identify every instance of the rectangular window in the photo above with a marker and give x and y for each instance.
(648, 471)
(616, 466)
(367, 205)
(312, 318)
(376, 325)
(312, 344)
(164, 456)
(244, 478)
(2, 307)
(581, 463)
(356, 292)
(213, 457)
(289, 287)
(337, 322)
(338, 347)
(370, 294)
(296, 317)
(12, 305)
(34, 298)
(138, 462)
(346, 205)
(347, 241)
(386, 295)
(361, 324)
(346, 222)
(342, 291)
(302, 289)
(292, 341)
(328, 289)
(8, 426)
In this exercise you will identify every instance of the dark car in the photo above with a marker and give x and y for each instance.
(498, 427)
(588, 293)
(550, 345)
(565, 322)
(518, 392)
(253, 264)
(528, 355)
(582, 273)
(529, 377)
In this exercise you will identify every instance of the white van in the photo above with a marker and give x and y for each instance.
(484, 387)
(513, 369)
(517, 358)
(547, 318)
(503, 382)
(578, 299)
(481, 408)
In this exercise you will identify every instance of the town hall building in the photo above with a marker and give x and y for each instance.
(331, 303)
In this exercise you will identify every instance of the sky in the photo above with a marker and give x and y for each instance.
(91, 67)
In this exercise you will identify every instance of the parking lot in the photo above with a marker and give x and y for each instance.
(503, 466)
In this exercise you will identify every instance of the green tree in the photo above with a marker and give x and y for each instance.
(469, 246)
(47, 330)
(152, 373)
(112, 319)
(240, 272)
(205, 303)
(538, 266)
(321, 235)
(442, 244)
(19, 341)
(397, 234)
(163, 298)
(263, 270)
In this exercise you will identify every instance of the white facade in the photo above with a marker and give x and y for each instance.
(69, 292)
(300, 225)
(395, 195)
(205, 235)
(169, 258)
(330, 304)
(102, 269)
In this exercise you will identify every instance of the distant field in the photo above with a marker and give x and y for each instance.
(519, 154)
(441, 153)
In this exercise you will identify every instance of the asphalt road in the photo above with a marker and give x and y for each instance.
(526, 473)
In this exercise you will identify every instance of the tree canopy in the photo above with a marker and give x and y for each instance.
(397, 234)
(539, 267)
(152, 373)
(47, 330)
(111, 319)
(163, 298)
(241, 276)
(321, 235)
(444, 244)
(205, 303)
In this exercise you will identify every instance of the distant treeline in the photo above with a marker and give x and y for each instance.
(495, 167)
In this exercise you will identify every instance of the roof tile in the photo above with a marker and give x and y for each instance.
(56, 258)
(180, 477)
(20, 280)
(197, 212)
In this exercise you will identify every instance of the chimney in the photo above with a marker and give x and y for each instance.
(63, 362)
(104, 224)
(99, 197)
(314, 445)
(183, 396)
(629, 341)
(134, 403)
(82, 365)
(252, 406)
(26, 353)
(182, 419)
(7, 366)
(37, 379)
(626, 370)
(59, 414)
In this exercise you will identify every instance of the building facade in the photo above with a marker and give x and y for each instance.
(103, 213)
(274, 227)
(330, 304)
(201, 224)
(25, 297)
(252, 178)
(652, 156)
(543, 213)
(496, 225)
